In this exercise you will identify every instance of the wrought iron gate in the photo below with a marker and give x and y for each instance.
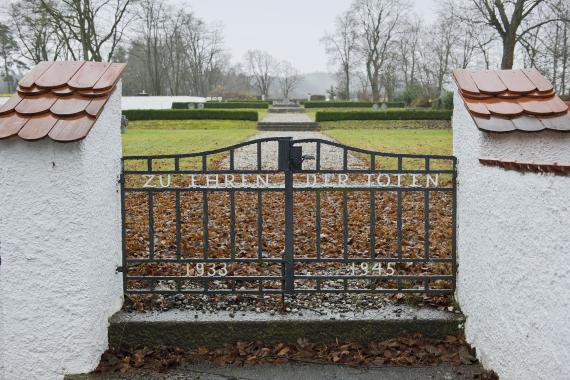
(261, 217)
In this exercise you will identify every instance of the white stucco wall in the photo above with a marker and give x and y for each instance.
(514, 251)
(60, 244)
(156, 102)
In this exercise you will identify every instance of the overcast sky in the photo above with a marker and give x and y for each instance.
(288, 29)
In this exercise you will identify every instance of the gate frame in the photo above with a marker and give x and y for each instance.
(290, 160)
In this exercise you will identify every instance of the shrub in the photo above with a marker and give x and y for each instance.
(445, 101)
(178, 114)
(407, 114)
(351, 104)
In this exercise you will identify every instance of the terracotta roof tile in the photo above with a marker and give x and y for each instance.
(38, 127)
(541, 83)
(58, 74)
(59, 100)
(488, 82)
(86, 77)
(10, 104)
(70, 130)
(11, 124)
(516, 81)
(510, 100)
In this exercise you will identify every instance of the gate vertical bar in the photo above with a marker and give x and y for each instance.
(124, 268)
(454, 226)
(285, 165)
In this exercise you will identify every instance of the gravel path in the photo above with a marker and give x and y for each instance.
(331, 157)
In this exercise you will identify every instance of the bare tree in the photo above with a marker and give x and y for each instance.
(37, 37)
(8, 49)
(288, 78)
(341, 47)
(261, 68)
(510, 20)
(409, 44)
(97, 26)
(379, 20)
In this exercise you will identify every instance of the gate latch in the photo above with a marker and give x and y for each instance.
(296, 157)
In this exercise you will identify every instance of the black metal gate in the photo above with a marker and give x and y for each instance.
(261, 217)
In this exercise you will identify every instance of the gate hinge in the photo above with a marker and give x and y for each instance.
(120, 269)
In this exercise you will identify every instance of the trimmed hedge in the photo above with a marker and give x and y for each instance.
(133, 115)
(223, 105)
(408, 114)
(230, 105)
(313, 104)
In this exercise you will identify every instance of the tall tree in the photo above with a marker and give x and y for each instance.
(341, 46)
(288, 78)
(37, 36)
(379, 20)
(8, 49)
(261, 68)
(508, 18)
(97, 26)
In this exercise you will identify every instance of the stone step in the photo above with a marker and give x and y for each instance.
(307, 371)
(286, 110)
(187, 328)
(288, 126)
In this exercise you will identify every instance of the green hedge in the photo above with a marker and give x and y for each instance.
(314, 104)
(133, 115)
(230, 105)
(408, 114)
(223, 105)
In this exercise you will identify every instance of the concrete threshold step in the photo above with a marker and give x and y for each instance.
(295, 371)
(288, 126)
(286, 110)
(186, 328)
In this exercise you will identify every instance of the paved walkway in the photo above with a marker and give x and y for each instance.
(297, 371)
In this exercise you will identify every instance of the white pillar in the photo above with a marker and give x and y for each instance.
(60, 245)
(513, 281)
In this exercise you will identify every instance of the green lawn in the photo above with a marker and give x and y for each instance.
(416, 141)
(155, 137)
(386, 124)
(187, 136)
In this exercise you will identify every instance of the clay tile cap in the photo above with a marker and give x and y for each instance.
(59, 100)
(514, 100)
(58, 74)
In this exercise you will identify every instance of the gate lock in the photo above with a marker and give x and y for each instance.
(296, 157)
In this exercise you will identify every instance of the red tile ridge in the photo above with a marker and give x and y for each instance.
(550, 167)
